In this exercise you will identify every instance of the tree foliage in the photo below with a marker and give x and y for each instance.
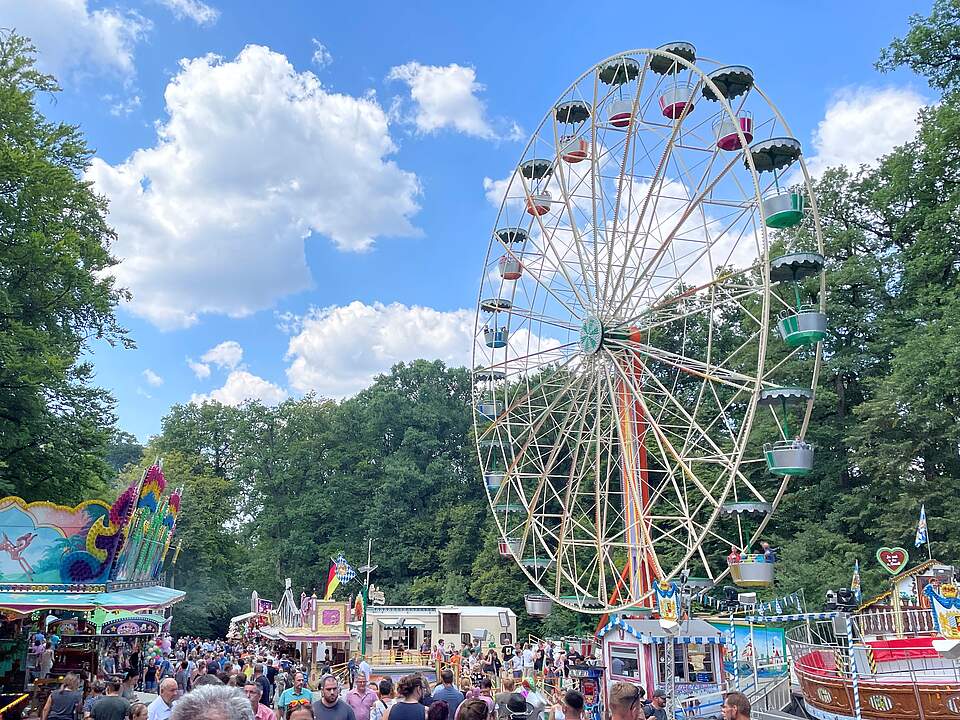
(54, 298)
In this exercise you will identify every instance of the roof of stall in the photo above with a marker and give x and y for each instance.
(693, 630)
(156, 597)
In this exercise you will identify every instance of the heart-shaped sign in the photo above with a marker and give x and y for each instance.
(893, 559)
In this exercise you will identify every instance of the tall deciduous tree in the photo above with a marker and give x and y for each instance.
(55, 299)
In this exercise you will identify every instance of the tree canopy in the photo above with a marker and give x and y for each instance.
(55, 299)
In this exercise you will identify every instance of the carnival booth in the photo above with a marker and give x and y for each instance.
(685, 656)
(86, 576)
(314, 626)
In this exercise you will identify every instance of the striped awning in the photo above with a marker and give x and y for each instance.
(618, 623)
(792, 618)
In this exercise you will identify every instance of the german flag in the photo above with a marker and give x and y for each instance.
(333, 582)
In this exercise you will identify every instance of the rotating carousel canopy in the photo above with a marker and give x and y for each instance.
(789, 456)
(732, 81)
(617, 73)
(676, 101)
(573, 113)
(802, 324)
(537, 171)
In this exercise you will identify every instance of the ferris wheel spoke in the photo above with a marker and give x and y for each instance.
(645, 274)
(654, 191)
(638, 396)
(659, 300)
(574, 225)
(546, 236)
(697, 368)
(546, 288)
(693, 424)
(547, 467)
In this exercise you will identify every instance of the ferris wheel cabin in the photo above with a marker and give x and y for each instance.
(617, 73)
(572, 114)
(731, 81)
(803, 324)
(537, 171)
(509, 267)
(789, 456)
(676, 101)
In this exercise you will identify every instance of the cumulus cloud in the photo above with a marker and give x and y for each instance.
(201, 370)
(121, 106)
(69, 35)
(340, 349)
(199, 12)
(152, 378)
(446, 96)
(253, 158)
(321, 56)
(227, 354)
(242, 386)
(862, 124)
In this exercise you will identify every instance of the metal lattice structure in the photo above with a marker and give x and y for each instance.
(624, 329)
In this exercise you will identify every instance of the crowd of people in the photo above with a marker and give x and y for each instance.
(216, 680)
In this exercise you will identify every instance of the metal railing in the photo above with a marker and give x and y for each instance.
(773, 695)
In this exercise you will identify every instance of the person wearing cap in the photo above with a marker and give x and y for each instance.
(657, 708)
(518, 708)
(736, 706)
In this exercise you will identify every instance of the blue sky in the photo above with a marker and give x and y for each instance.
(308, 207)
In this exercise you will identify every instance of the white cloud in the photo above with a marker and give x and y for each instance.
(862, 124)
(445, 97)
(152, 378)
(496, 190)
(120, 106)
(340, 349)
(253, 158)
(199, 12)
(321, 56)
(241, 386)
(201, 370)
(68, 34)
(227, 354)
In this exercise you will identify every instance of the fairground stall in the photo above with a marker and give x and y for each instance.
(85, 579)
(686, 656)
(313, 630)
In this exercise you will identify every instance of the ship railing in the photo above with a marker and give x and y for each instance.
(885, 622)
(835, 661)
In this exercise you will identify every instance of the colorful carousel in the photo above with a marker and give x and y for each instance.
(84, 578)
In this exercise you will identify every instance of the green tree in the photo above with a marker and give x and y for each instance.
(55, 297)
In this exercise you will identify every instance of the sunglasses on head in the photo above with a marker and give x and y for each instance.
(299, 701)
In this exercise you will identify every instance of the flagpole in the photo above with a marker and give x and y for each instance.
(366, 569)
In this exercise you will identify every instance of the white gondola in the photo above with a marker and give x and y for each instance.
(510, 267)
(538, 605)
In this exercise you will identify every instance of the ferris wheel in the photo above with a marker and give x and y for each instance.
(639, 311)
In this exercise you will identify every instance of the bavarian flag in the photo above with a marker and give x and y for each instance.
(339, 572)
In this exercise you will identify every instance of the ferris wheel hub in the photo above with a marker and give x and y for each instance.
(591, 335)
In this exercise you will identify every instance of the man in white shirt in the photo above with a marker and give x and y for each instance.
(527, 661)
(162, 707)
(365, 668)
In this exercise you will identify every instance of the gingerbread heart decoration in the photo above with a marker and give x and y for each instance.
(893, 560)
